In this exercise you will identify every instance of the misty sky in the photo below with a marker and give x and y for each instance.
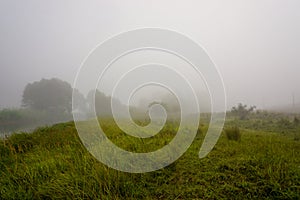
(255, 44)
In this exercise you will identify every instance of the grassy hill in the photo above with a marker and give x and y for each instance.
(52, 163)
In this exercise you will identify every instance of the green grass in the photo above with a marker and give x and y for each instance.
(52, 163)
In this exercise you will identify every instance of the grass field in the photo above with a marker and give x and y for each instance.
(52, 163)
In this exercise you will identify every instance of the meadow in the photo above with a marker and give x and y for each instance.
(51, 163)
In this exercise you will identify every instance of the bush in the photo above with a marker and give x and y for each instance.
(21, 119)
(296, 121)
(233, 133)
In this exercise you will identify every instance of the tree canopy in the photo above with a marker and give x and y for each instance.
(242, 111)
(102, 103)
(48, 94)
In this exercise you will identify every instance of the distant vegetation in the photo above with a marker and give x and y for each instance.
(44, 102)
(52, 95)
(241, 111)
(28, 119)
(49, 101)
(268, 121)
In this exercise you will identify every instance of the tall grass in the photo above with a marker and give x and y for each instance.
(52, 163)
(233, 133)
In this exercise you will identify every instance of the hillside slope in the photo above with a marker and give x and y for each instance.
(52, 163)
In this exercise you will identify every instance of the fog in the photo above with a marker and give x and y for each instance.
(255, 44)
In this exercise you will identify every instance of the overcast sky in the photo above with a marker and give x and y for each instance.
(255, 44)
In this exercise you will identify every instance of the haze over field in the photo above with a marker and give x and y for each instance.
(255, 44)
(171, 99)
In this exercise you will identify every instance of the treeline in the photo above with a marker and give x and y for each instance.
(249, 118)
(46, 102)
(49, 101)
(13, 119)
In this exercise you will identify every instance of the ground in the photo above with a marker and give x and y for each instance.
(52, 163)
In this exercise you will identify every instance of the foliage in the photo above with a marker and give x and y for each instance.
(242, 111)
(102, 104)
(52, 95)
(9, 114)
(268, 121)
(44, 102)
(24, 119)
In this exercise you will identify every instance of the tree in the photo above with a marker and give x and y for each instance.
(79, 101)
(101, 103)
(52, 95)
(242, 111)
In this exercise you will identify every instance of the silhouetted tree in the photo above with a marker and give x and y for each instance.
(79, 102)
(102, 104)
(242, 111)
(52, 95)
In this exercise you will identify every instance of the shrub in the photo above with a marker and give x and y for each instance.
(296, 121)
(233, 133)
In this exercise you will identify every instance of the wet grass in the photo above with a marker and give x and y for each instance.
(52, 163)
